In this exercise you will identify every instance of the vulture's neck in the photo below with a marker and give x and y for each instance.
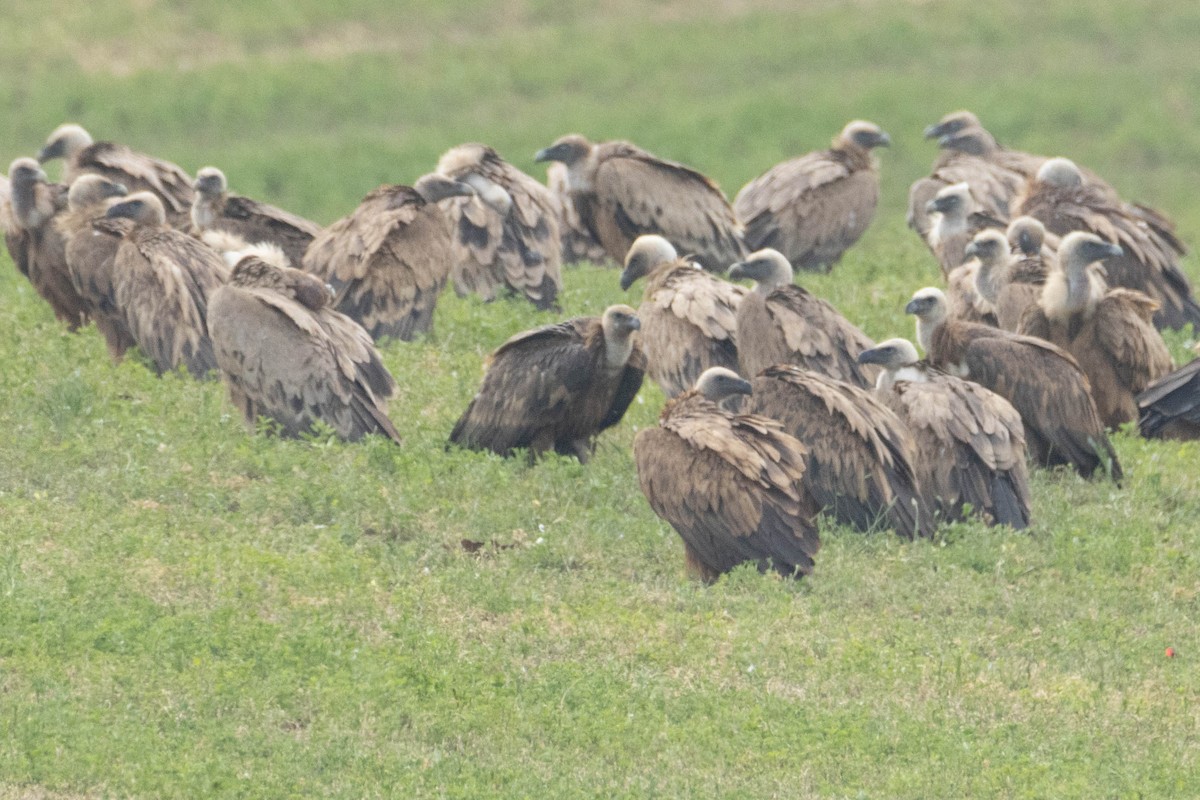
(926, 326)
(204, 211)
(988, 280)
(617, 350)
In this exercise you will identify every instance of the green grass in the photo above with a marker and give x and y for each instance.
(190, 611)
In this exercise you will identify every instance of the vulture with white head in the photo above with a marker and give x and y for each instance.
(214, 207)
(954, 222)
(1012, 269)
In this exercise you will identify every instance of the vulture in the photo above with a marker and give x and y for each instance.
(1169, 408)
(621, 192)
(689, 316)
(1060, 199)
(1012, 269)
(732, 485)
(35, 243)
(813, 208)
(970, 443)
(781, 323)
(578, 243)
(860, 464)
(1109, 332)
(117, 162)
(389, 259)
(962, 293)
(954, 222)
(508, 233)
(214, 208)
(286, 355)
(1044, 384)
(556, 387)
(163, 280)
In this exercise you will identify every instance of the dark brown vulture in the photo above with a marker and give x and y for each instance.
(214, 208)
(389, 259)
(1063, 202)
(622, 192)
(1109, 332)
(1043, 382)
(578, 243)
(731, 485)
(35, 243)
(285, 355)
(136, 171)
(1170, 407)
(689, 316)
(163, 281)
(970, 442)
(860, 466)
(781, 323)
(508, 236)
(556, 387)
(813, 208)
(954, 222)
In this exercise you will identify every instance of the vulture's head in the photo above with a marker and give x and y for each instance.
(90, 189)
(647, 252)
(718, 383)
(892, 355)
(768, 268)
(434, 188)
(863, 134)
(142, 207)
(974, 141)
(1060, 172)
(989, 246)
(1079, 249)
(619, 322)
(210, 182)
(1026, 235)
(470, 157)
(928, 305)
(951, 124)
(569, 149)
(951, 201)
(64, 142)
(23, 173)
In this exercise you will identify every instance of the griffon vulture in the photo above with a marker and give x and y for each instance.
(622, 192)
(813, 208)
(860, 455)
(578, 243)
(970, 442)
(1170, 407)
(556, 387)
(732, 485)
(1043, 382)
(1059, 197)
(389, 259)
(781, 323)
(163, 281)
(507, 234)
(1110, 332)
(954, 222)
(689, 317)
(136, 171)
(214, 208)
(1012, 269)
(284, 354)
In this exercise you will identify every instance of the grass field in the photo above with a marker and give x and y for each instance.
(187, 611)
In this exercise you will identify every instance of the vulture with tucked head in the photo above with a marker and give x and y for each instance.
(1169, 408)
(578, 243)
(813, 208)
(556, 387)
(285, 355)
(689, 317)
(622, 192)
(1110, 332)
(163, 280)
(1043, 382)
(214, 208)
(860, 456)
(970, 443)
(117, 162)
(389, 259)
(781, 323)
(507, 234)
(35, 243)
(732, 485)
(1062, 201)
(954, 222)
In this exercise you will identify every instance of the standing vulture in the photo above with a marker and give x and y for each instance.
(732, 485)
(35, 243)
(578, 243)
(508, 233)
(1060, 199)
(1109, 332)
(284, 354)
(136, 171)
(860, 455)
(954, 222)
(1043, 382)
(1170, 407)
(813, 208)
(970, 442)
(214, 208)
(781, 323)
(556, 386)
(163, 281)
(689, 316)
(389, 259)
(622, 192)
